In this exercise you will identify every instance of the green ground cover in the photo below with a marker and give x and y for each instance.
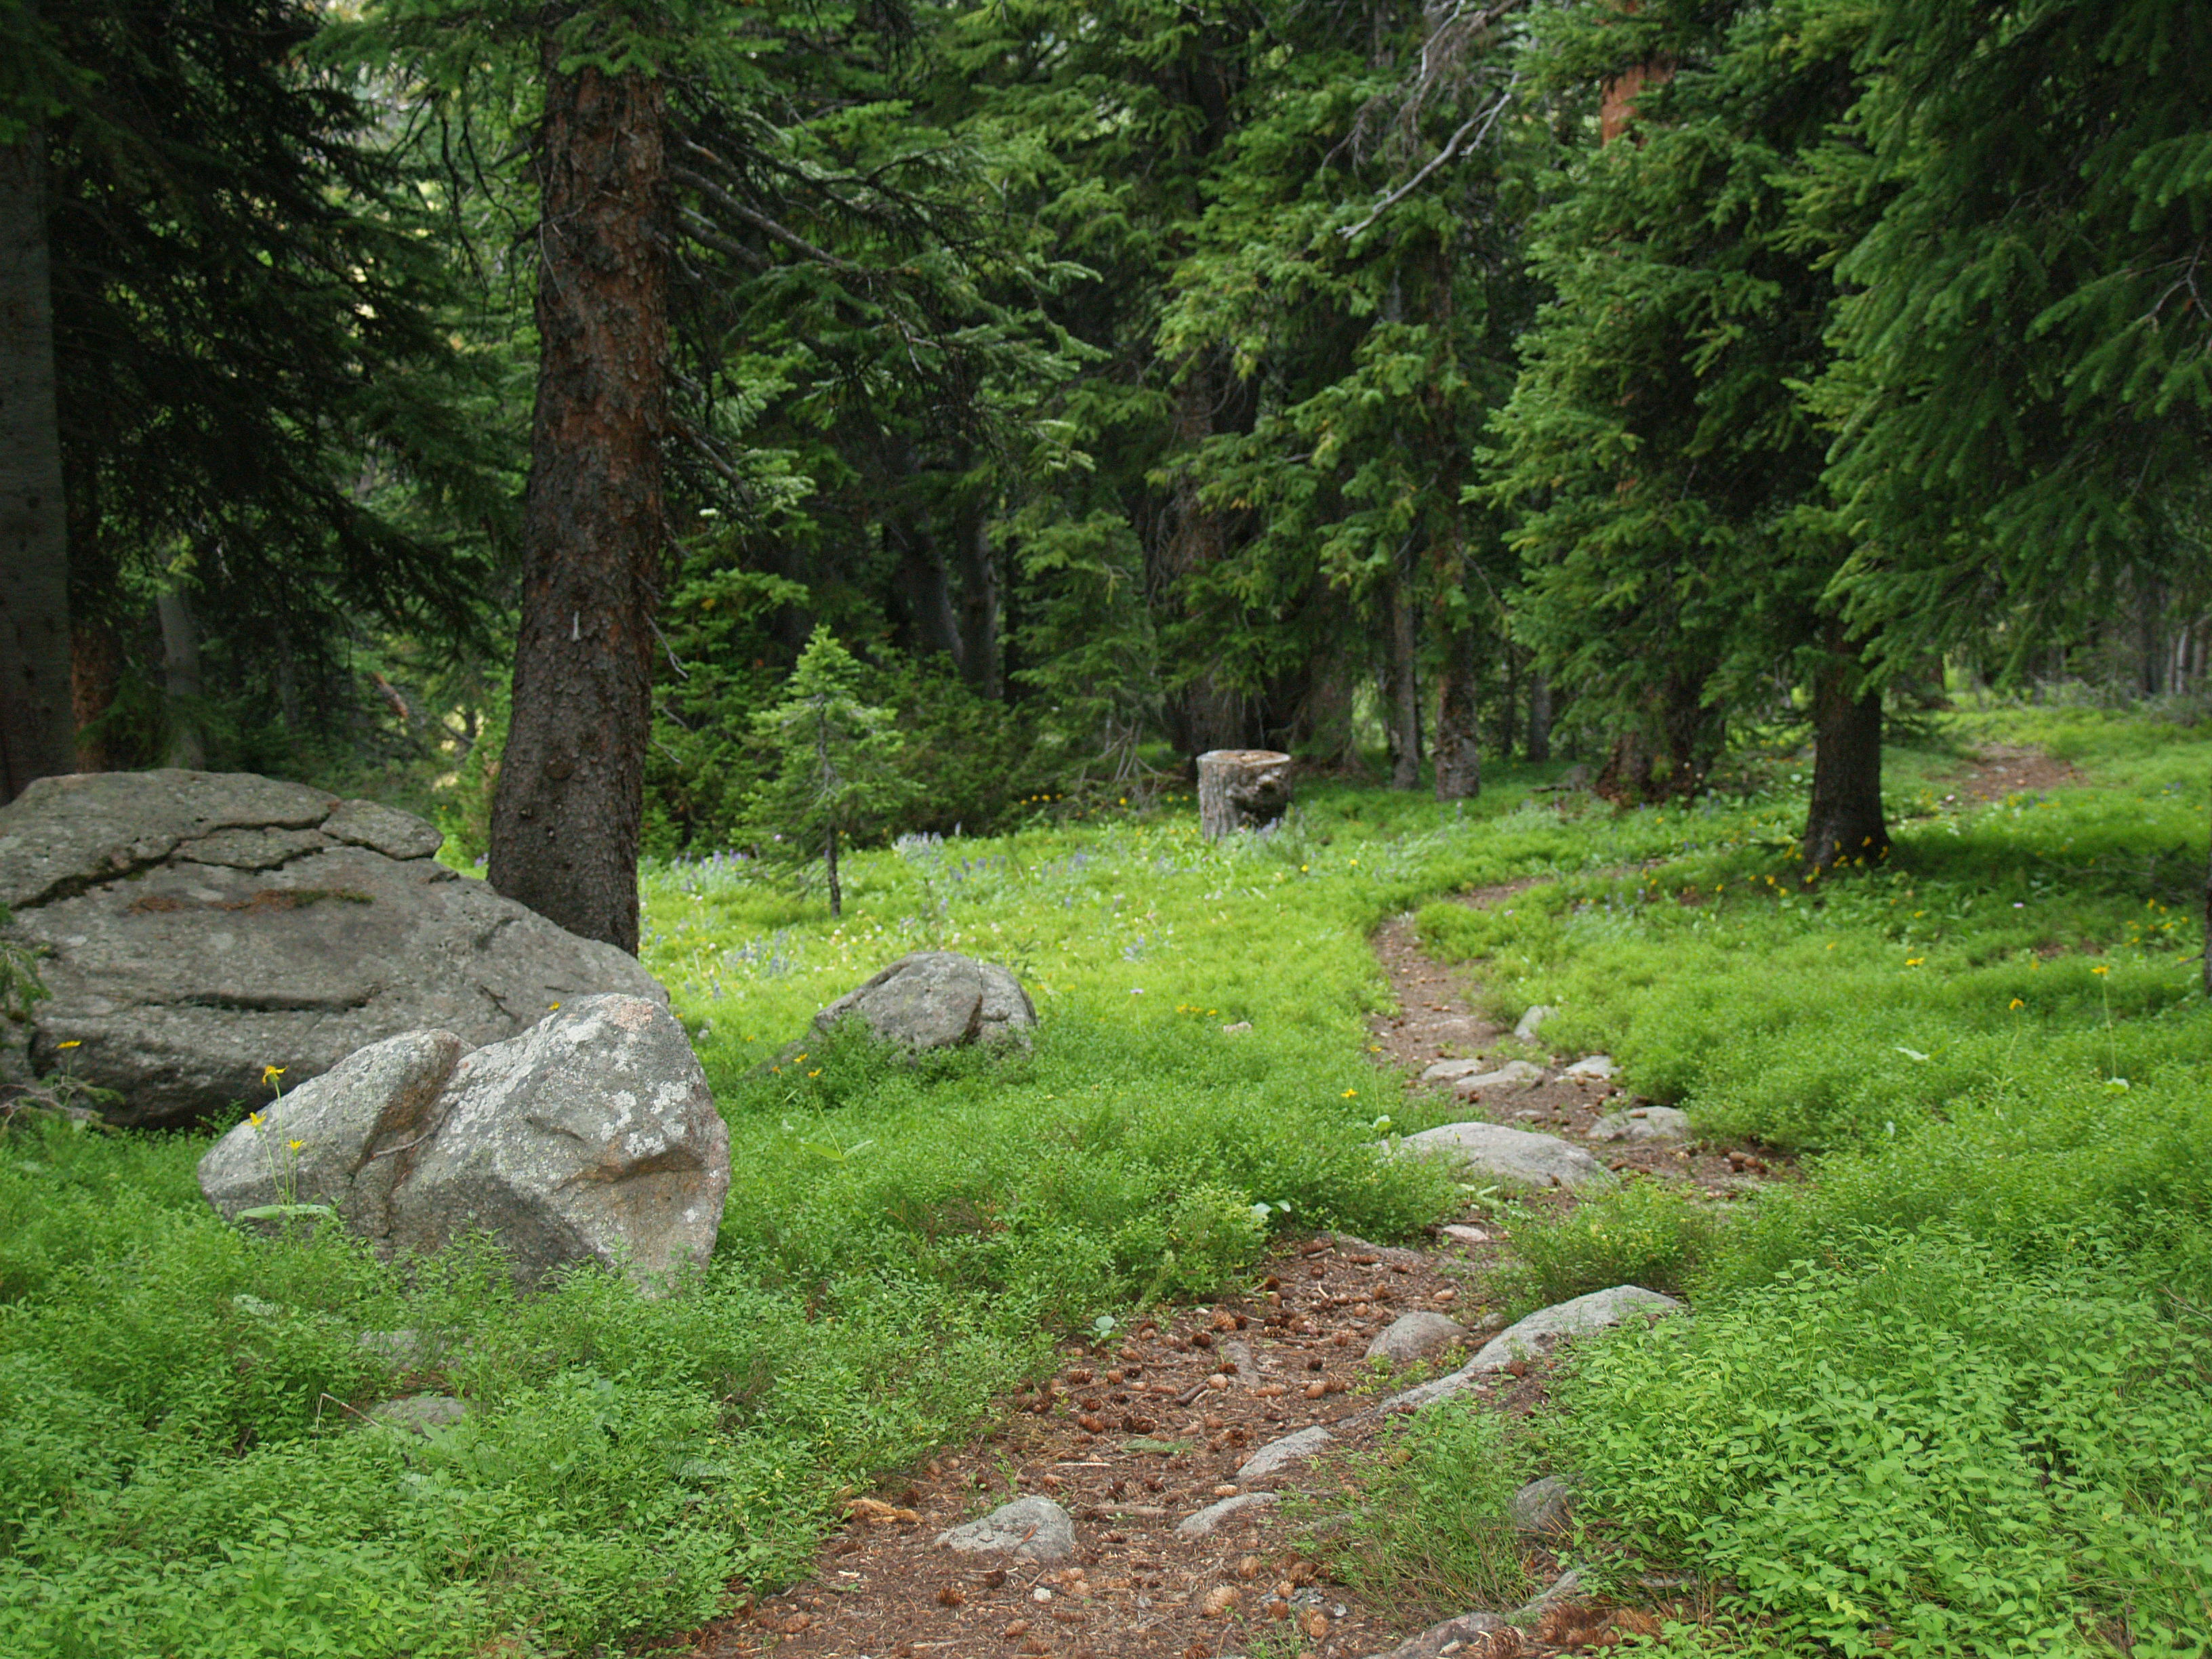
(1950, 1396)
(185, 1469)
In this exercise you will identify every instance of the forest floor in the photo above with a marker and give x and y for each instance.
(1941, 1222)
(1129, 1438)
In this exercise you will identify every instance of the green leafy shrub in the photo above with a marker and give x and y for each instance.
(1931, 1452)
(1641, 1232)
(1431, 1522)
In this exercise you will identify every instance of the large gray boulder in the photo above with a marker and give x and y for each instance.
(939, 1000)
(592, 1137)
(1513, 1157)
(201, 926)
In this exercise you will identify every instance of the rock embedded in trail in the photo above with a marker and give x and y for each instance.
(1537, 1335)
(200, 927)
(1290, 1448)
(1643, 1126)
(1593, 1066)
(1205, 1519)
(939, 1000)
(1032, 1528)
(1514, 1073)
(1532, 1022)
(1511, 1157)
(1467, 1637)
(1415, 1336)
(591, 1138)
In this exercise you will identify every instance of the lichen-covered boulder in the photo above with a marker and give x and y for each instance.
(939, 1000)
(199, 927)
(592, 1137)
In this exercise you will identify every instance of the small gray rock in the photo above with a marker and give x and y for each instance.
(1512, 1156)
(1596, 1066)
(1643, 1126)
(1455, 1636)
(1537, 1335)
(420, 1413)
(1413, 1336)
(939, 1000)
(1034, 1529)
(1532, 1022)
(1290, 1448)
(1542, 1507)
(1451, 1070)
(1199, 1525)
(1567, 1586)
(1467, 1235)
(1514, 1073)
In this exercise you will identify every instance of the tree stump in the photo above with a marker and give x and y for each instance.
(1240, 789)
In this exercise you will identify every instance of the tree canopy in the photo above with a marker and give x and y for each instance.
(1115, 381)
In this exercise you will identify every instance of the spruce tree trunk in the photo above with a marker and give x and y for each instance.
(96, 642)
(1404, 701)
(1458, 748)
(565, 815)
(180, 680)
(1845, 821)
(1539, 718)
(38, 726)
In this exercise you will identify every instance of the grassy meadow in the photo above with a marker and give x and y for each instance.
(1948, 1397)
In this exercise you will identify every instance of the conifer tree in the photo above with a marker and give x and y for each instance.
(831, 771)
(1678, 537)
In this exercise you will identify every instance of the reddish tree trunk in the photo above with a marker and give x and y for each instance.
(1845, 820)
(565, 819)
(37, 726)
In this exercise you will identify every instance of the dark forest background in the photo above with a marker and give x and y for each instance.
(1399, 386)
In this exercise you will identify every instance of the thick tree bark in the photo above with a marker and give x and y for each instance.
(1540, 717)
(1845, 821)
(180, 680)
(1403, 686)
(1205, 713)
(38, 726)
(979, 607)
(566, 816)
(1458, 750)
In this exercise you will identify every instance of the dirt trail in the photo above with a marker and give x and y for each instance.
(1135, 1435)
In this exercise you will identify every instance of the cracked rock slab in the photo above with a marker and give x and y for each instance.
(198, 927)
(1033, 1528)
(1511, 1157)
